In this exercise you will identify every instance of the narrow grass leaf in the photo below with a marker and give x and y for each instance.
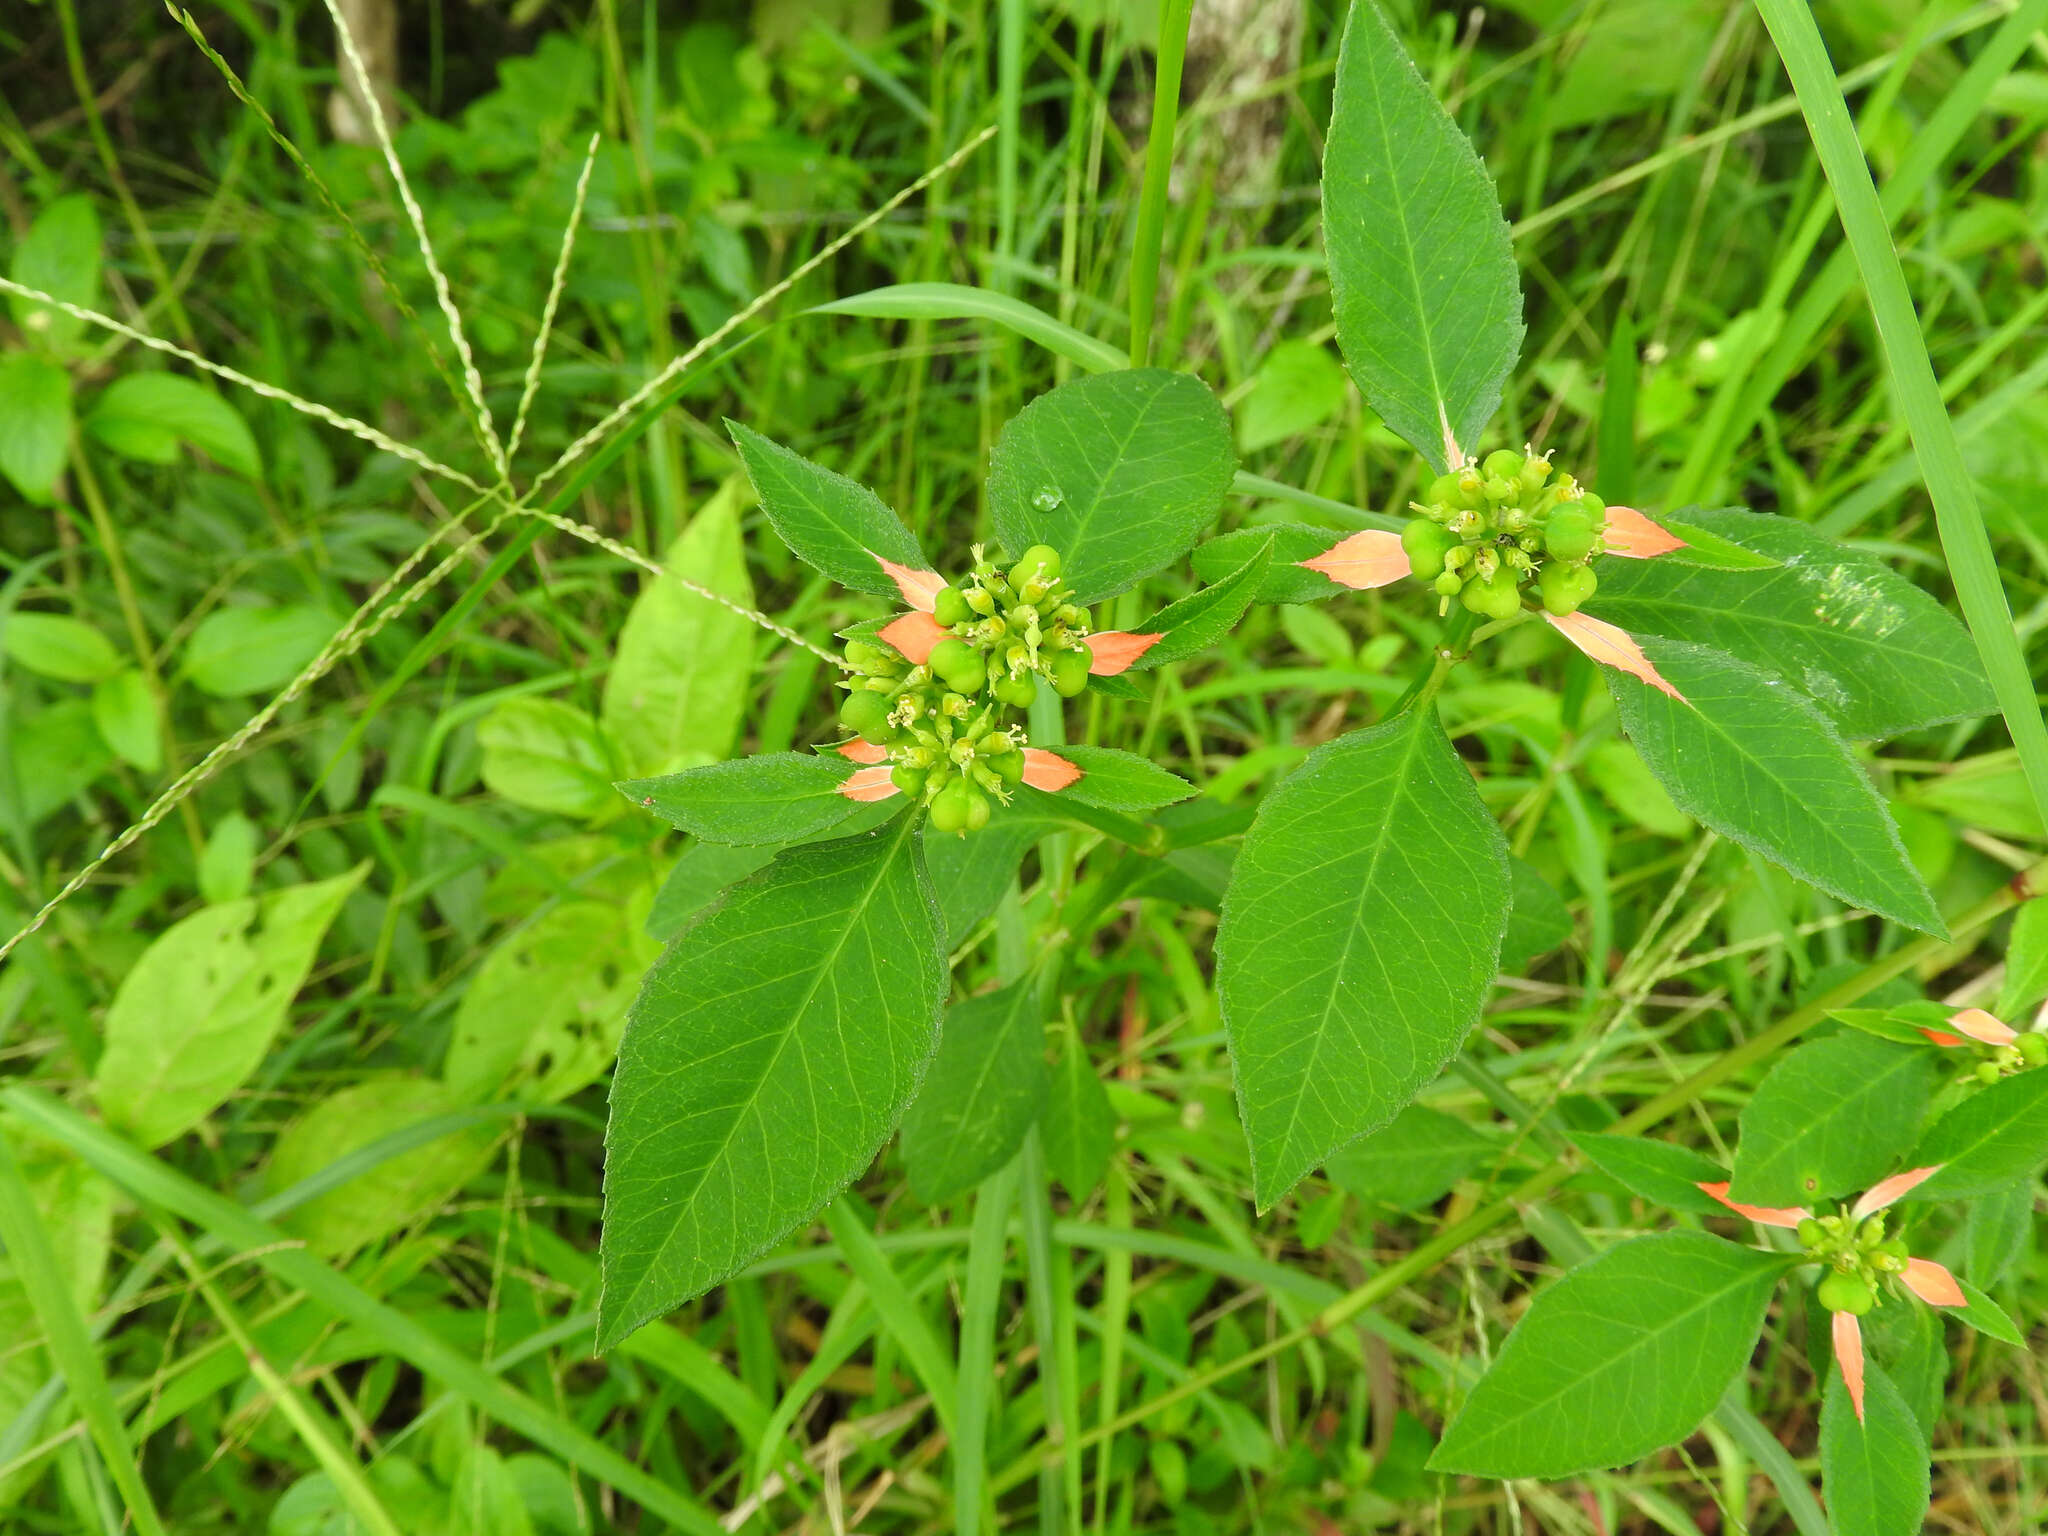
(770, 1054)
(957, 301)
(1624, 1355)
(1079, 1128)
(1752, 758)
(1360, 933)
(1429, 305)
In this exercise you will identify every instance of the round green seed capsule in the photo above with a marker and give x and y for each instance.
(1038, 563)
(908, 779)
(960, 664)
(1016, 691)
(1569, 534)
(977, 810)
(1841, 1292)
(1988, 1073)
(1811, 1233)
(1426, 544)
(1595, 507)
(870, 659)
(1009, 767)
(2033, 1049)
(950, 607)
(951, 807)
(1444, 490)
(1448, 584)
(1501, 464)
(866, 714)
(1498, 598)
(1070, 671)
(1565, 588)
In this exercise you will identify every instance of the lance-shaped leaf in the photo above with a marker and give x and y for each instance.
(1873, 1467)
(1079, 1129)
(984, 1091)
(1411, 1162)
(1286, 579)
(779, 797)
(1831, 1117)
(1988, 1141)
(1118, 472)
(833, 523)
(1661, 1172)
(1429, 306)
(1753, 759)
(1199, 620)
(1360, 934)
(770, 1053)
(1121, 781)
(1986, 1315)
(1625, 1354)
(1877, 654)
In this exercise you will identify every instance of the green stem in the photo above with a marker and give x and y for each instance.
(1151, 233)
(1963, 537)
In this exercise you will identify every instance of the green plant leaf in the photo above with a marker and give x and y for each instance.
(144, 416)
(986, 1087)
(1751, 758)
(779, 797)
(542, 1015)
(57, 753)
(1986, 1315)
(1626, 1353)
(197, 1013)
(1899, 1025)
(1428, 302)
(125, 715)
(57, 645)
(1120, 781)
(61, 256)
(1705, 547)
(2026, 961)
(1359, 937)
(548, 756)
(1660, 1171)
(391, 1193)
(833, 523)
(1411, 1162)
(1286, 580)
(239, 651)
(1199, 620)
(227, 869)
(1878, 655)
(1873, 1470)
(1119, 472)
(681, 677)
(1079, 1129)
(957, 301)
(970, 874)
(1831, 1117)
(1538, 921)
(1999, 1230)
(35, 423)
(769, 1055)
(1298, 387)
(1988, 1141)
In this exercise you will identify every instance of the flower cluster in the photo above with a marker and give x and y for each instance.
(1486, 529)
(2010, 1051)
(934, 695)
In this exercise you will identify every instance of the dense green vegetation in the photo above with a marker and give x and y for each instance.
(306, 1079)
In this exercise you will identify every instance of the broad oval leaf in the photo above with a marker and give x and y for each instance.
(57, 645)
(771, 1051)
(1660, 1171)
(1119, 472)
(1988, 1141)
(239, 651)
(1874, 1469)
(145, 416)
(1539, 920)
(548, 756)
(1411, 1162)
(35, 423)
(1428, 302)
(1831, 1117)
(835, 524)
(1625, 1354)
(778, 797)
(985, 1090)
(1878, 655)
(199, 1010)
(1753, 759)
(124, 710)
(61, 256)
(1360, 933)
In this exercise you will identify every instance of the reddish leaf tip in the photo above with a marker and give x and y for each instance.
(1048, 770)
(1363, 561)
(1635, 537)
(1612, 646)
(1117, 650)
(920, 589)
(870, 784)
(914, 634)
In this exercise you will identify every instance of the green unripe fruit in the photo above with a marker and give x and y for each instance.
(1070, 671)
(960, 664)
(1569, 535)
(1017, 691)
(866, 714)
(1988, 1073)
(870, 659)
(1426, 544)
(950, 607)
(1501, 464)
(1811, 1233)
(908, 779)
(1038, 563)
(1498, 598)
(1847, 1293)
(1448, 584)
(977, 809)
(1895, 1250)
(1444, 490)
(2033, 1049)
(951, 807)
(1595, 507)
(1009, 767)
(1565, 587)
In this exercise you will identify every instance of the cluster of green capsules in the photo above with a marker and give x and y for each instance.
(1859, 1258)
(948, 723)
(1485, 530)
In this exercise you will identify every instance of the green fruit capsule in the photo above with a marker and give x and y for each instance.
(1988, 1073)
(1426, 544)
(2033, 1049)
(960, 664)
(1040, 562)
(908, 779)
(1070, 671)
(1501, 464)
(1846, 1293)
(1448, 584)
(950, 607)
(866, 714)
(977, 810)
(870, 659)
(1596, 509)
(1017, 691)
(1811, 1233)
(1569, 535)
(1498, 598)
(1009, 767)
(1444, 491)
(950, 807)
(1565, 588)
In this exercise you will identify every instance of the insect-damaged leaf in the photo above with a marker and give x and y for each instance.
(1359, 936)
